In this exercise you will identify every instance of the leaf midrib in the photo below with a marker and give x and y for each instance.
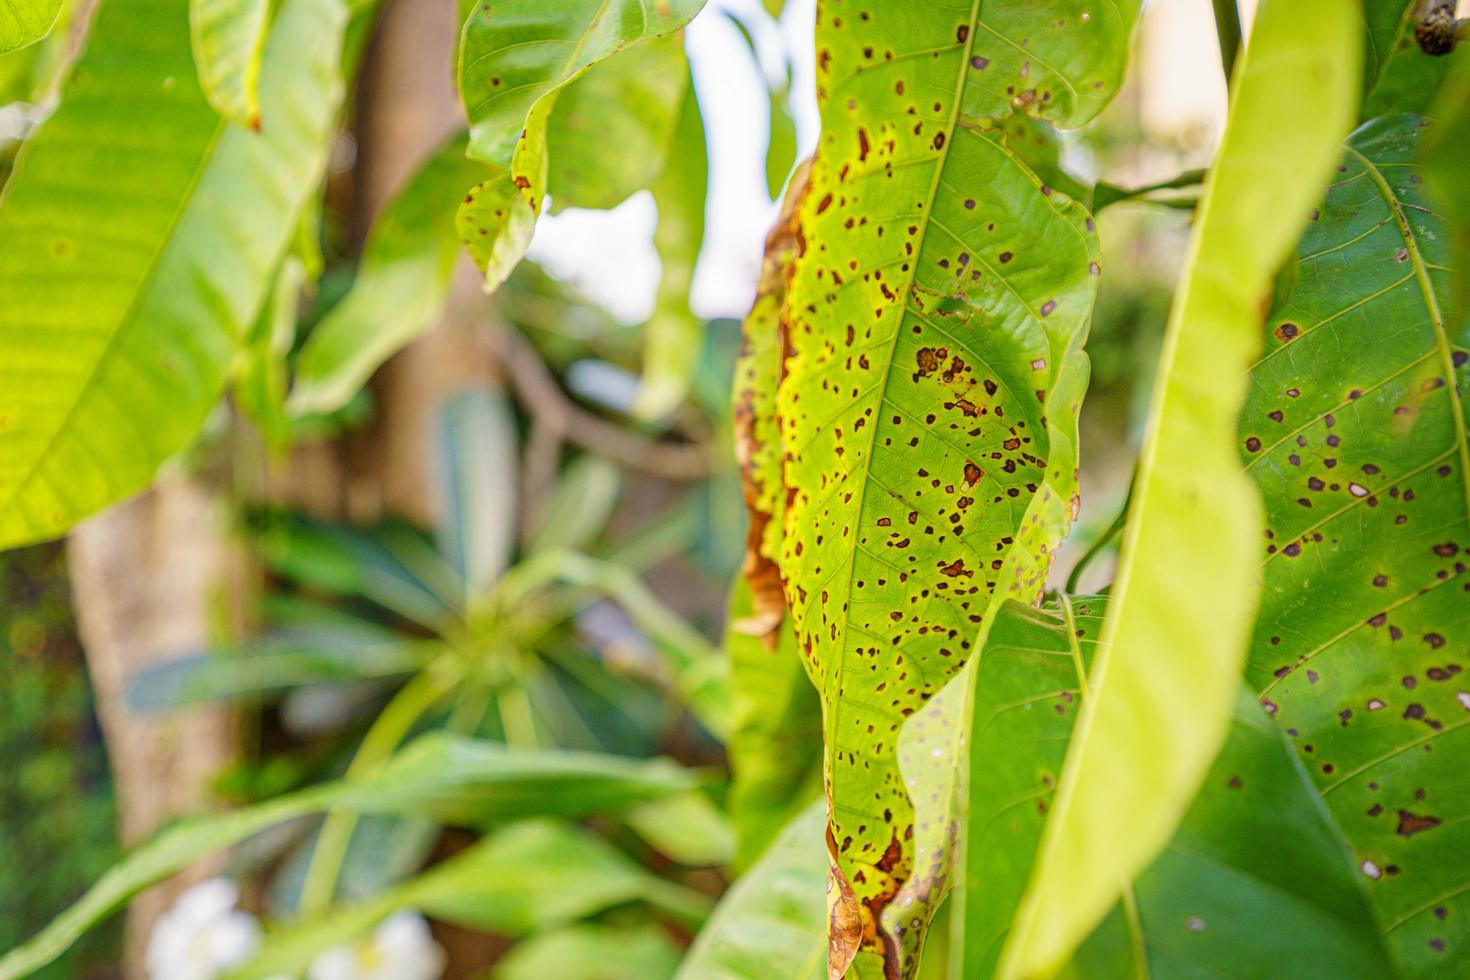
(1436, 319)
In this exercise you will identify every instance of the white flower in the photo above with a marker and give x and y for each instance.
(202, 934)
(401, 948)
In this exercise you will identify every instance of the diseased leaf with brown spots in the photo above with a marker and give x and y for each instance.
(1362, 643)
(936, 306)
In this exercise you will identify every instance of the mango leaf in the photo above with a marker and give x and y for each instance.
(401, 286)
(458, 781)
(932, 373)
(32, 74)
(25, 22)
(631, 101)
(591, 951)
(580, 507)
(1443, 151)
(1167, 671)
(515, 59)
(229, 38)
(1397, 75)
(1355, 432)
(770, 923)
(260, 367)
(781, 143)
(688, 828)
(674, 335)
(1255, 882)
(525, 878)
(119, 323)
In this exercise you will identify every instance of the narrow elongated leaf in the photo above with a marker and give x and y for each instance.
(1256, 881)
(1167, 673)
(119, 321)
(478, 463)
(25, 22)
(515, 59)
(673, 336)
(260, 367)
(401, 286)
(771, 922)
(931, 375)
(229, 39)
(1355, 432)
(454, 780)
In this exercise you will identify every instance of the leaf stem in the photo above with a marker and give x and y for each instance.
(387, 732)
(1227, 29)
(1105, 539)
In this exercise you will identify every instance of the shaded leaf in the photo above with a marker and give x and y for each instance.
(260, 367)
(1443, 151)
(581, 505)
(119, 322)
(229, 38)
(1397, 75)
(772, 921)
(401, 286)
(478, 462)
(1355, 433)
(1167, 671)
(1255, 882)
(457, 781)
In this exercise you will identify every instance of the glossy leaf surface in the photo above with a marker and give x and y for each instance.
(120, 321)
(1168, 670)
(1355, 432)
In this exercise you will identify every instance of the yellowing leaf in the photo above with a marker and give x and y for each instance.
(25, 22)
(1167, 672)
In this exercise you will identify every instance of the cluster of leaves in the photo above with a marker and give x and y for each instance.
(1242, 758)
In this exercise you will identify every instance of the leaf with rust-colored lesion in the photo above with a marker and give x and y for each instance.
(930, 378)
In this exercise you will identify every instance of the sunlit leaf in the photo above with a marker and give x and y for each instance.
(260, 368)
(591, 952)
(515, 59)
(454, 780)
(229, 39)
(121, 318)
(1355, 432)
(932, 373)
(781, 144)
(25, 22)
(401, 286)
(688, 828)
(1167, 672)
(771, 922)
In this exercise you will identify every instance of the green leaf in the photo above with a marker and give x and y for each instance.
(1397, 76)
(525, 878)
(260, 369)
(25, 22)
(631, 102)
(119, 321)
(781, 144)
(1167, 672)
(229, 39)
(1355, 433)
(580, 507)
(688, 828)
(401, 287)
(591, 952)
(1255, 882)
(771, 922)
(1443, 151)
(932, 374)
(479, 464)
(514, 60)
(457, 781)
(674, 335)
(776, 730)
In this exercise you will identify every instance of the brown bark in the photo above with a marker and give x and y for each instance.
(148, 578)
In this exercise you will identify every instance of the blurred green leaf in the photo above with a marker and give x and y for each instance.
(119, 323)
(401, 287)
(581, 505)
(591, 952)
(479, 465)
(228, 40)
(688, 828)
(260, 368)
(773, 921)
(453, 780)
(1444, 155)
(781, 146)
